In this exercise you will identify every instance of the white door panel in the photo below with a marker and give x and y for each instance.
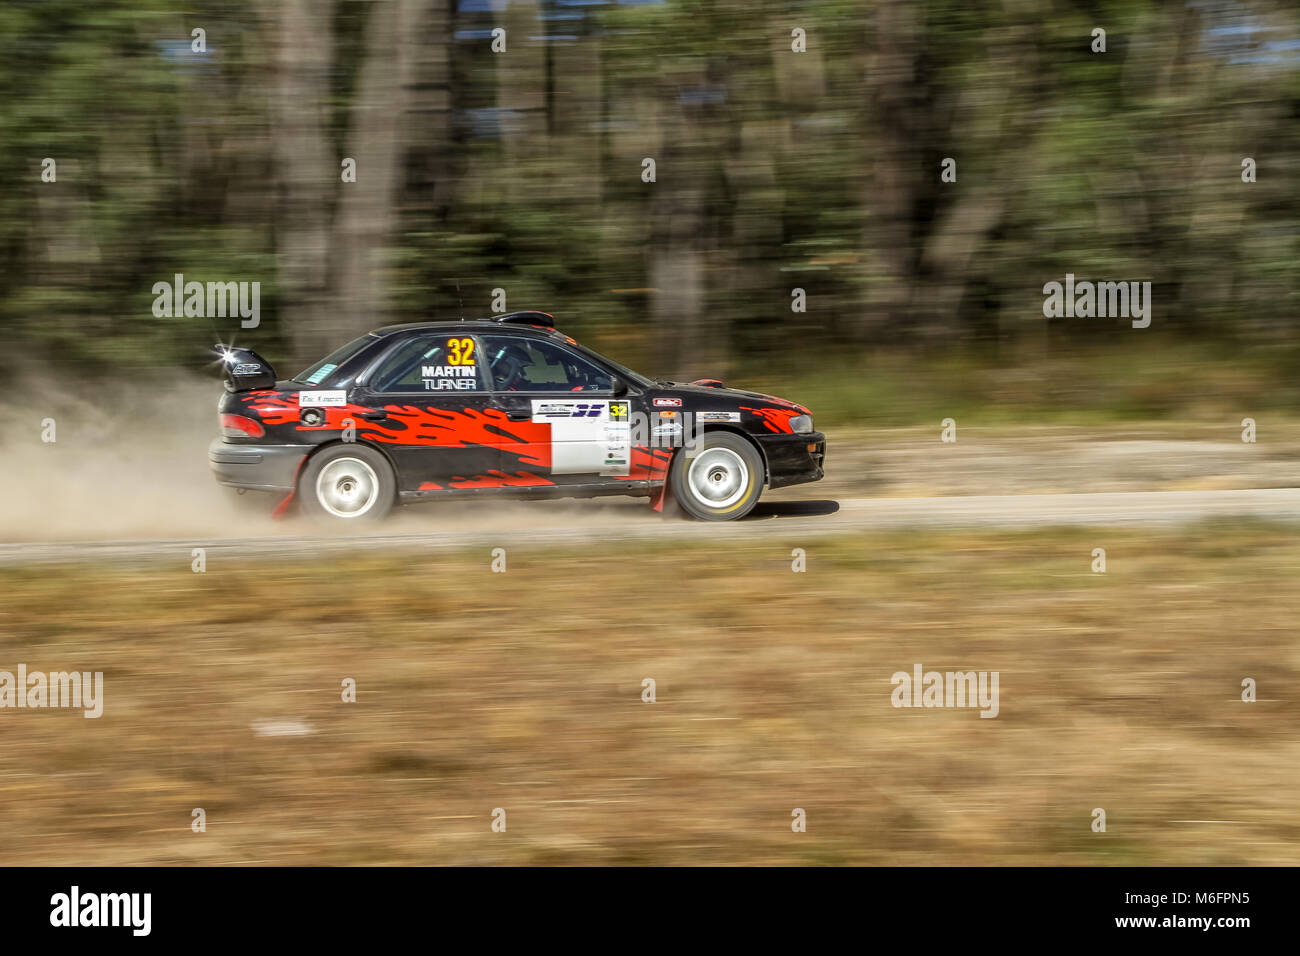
(588, 436)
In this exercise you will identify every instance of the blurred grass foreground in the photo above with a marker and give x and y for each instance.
(772, 691)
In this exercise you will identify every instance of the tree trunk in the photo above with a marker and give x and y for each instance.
(305, 171)
(367, 212)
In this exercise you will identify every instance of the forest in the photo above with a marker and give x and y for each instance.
(694, 186)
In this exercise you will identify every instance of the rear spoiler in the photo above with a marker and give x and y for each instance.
(543, 319)
(244, 369)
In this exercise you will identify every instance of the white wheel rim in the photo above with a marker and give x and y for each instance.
(718, 477)
(347, 487)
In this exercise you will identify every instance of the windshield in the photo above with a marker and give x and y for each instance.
(634, 377)
(315, 374)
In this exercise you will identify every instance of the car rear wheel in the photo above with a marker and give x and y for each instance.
(719, 481)
(348, 482)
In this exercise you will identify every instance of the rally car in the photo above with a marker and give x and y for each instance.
(501, 406)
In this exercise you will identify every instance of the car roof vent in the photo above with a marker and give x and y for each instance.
(544, 319)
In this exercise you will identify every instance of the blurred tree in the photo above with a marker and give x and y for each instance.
(778, 165)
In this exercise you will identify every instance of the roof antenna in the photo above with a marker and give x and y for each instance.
(461, 299)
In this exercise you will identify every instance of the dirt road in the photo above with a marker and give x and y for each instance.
(488, 525)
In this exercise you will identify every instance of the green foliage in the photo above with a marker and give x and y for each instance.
(775, 170)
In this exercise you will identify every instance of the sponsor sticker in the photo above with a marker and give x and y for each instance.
(320, 374)
(618, 438)
(668, 403)
(717, 416)
(326, 398)
(572, 409)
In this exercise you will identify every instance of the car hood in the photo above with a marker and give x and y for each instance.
(702, 396)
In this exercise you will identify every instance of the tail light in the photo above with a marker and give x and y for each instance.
(240, 426)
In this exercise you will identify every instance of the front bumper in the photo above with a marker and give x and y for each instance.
(256, 467)
(793, 459)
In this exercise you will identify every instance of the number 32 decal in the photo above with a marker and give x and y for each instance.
(460, 352)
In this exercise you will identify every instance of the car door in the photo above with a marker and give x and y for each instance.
(577, 425)
(438, 423)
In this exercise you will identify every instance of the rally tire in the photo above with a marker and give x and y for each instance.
(719, 481)
(347, 483)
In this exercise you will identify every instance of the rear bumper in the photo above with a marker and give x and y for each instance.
(256, 467)
(793, 459)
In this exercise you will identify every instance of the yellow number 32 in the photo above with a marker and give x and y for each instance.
(461, 351)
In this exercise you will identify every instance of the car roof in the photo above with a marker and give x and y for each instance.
(472, 325)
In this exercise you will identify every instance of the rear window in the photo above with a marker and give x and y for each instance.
(322, 370)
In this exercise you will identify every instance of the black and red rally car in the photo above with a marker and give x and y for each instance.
(509, 406)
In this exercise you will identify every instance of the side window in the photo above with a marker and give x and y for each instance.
(441, 363)
(528, 365)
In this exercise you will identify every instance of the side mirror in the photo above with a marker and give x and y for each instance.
(620, 387)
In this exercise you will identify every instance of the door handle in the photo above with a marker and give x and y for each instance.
(515, 414)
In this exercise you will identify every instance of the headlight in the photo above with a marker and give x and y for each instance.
(801, 424)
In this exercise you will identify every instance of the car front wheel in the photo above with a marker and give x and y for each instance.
(348, 482)
(719, 481)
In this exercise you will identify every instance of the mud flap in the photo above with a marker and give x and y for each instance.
(657, 501)
(282, 509)
(664, 496)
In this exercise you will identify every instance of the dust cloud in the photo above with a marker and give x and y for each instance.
(129, 461)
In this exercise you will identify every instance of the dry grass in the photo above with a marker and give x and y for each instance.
(522, 690)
